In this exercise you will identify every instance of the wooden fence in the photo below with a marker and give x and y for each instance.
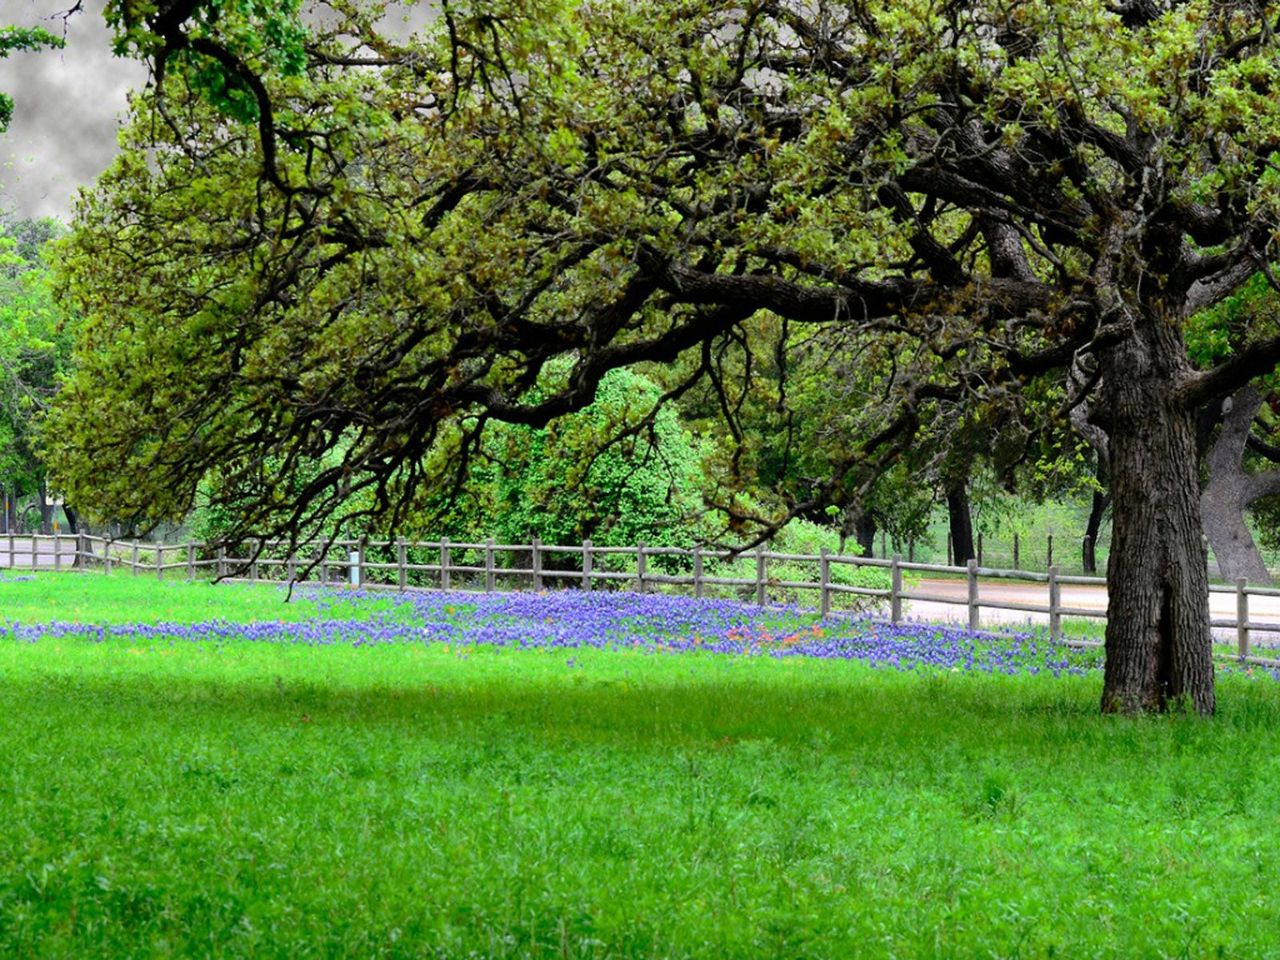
(396, 564)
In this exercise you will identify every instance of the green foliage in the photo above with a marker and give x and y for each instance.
(574, 480)
(36, 336)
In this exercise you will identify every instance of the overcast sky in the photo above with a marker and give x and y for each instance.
(67, 107)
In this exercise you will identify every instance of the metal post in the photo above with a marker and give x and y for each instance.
(536, 548)
(973, 594)
(445, 579)
(895, 589)
(488, 566)
(760, 575)
(641, 567)
(698, 587)
(586, 564)
(402, 565)
(1055, 605)
(1242, 617)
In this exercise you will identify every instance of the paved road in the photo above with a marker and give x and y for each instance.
(1221, 605)
(44, 555)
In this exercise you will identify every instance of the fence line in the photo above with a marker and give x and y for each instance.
(314, 562)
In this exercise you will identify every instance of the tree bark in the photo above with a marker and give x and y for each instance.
(866, 533)
(1096, 511)
(960, 518)
(46, 510)
(1230, 491)
(1158, 648)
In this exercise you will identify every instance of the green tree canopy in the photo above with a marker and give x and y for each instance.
(1000, 197)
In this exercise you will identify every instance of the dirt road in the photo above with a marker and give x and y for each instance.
(1080, 597)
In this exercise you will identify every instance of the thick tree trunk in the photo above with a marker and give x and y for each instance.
(1158, 648)
(961, 521)
(1230, 491)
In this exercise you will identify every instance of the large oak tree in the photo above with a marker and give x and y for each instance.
(991, 198)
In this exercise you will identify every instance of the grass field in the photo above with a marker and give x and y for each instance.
(297, 791)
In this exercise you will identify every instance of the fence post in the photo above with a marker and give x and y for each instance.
(488, 566)
(824, 580)
(360, 559)
(973, 594)
(1242, 617)
(324, 565)
(253, 565)
(586, 564)
(191, 562)
(12, 555)
(1015, 551)
(536, 552)
(80, 559)
(1048, 559)
(979, 549)
(445, 580)
(106, 554)
(641, 566)
(57, 551)
(222, 561)
(895, 589)
(760, 575)
(1055, 606)
(402, 569)
(159, 560)
(136, 559)
(698, 587)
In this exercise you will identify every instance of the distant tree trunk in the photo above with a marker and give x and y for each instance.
(866, 532)
(1230, 491)
(46, 509)
(960, 518)
(1097, 509)
(1158, 648)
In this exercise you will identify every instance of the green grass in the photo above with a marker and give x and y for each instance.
(259, 800)
(121, 598)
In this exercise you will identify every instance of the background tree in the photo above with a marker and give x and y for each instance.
(1000, 195)
(35, 351)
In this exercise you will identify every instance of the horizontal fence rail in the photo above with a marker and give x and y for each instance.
(489, 566)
